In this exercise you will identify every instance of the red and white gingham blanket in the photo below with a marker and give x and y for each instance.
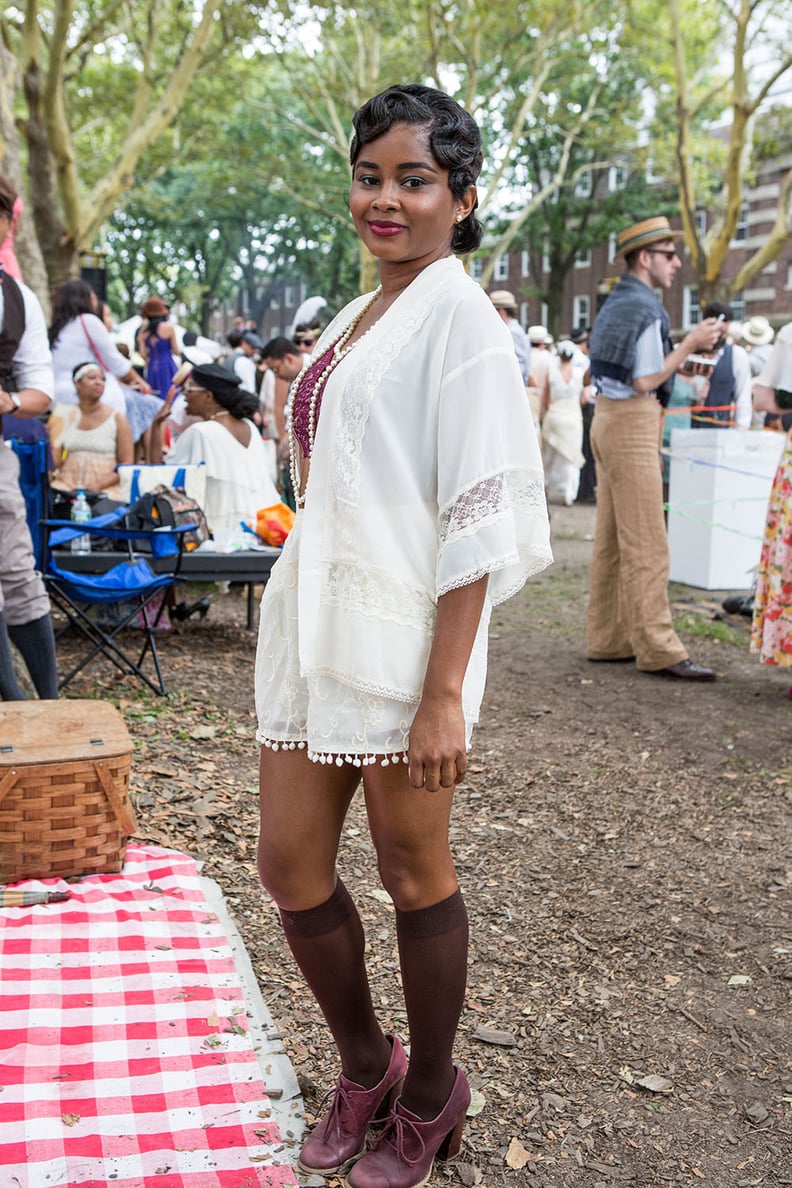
(125, 1058)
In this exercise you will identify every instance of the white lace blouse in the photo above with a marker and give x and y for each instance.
(426, 475)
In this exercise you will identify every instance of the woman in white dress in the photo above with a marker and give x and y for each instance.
(226, 440)
(413, 522)
(562, 426)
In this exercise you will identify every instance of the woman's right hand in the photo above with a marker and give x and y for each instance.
(164, 412)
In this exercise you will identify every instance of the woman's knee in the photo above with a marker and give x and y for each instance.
(416, 878)
(297, 877)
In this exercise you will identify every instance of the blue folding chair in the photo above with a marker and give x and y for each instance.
(34, 458)
(131, 586)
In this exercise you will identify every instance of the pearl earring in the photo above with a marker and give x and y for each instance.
(459, 218)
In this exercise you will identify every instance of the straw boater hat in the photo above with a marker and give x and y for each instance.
(644, 234)
(503, 299)
(757, 331)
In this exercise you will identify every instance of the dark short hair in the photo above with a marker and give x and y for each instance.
(454, 138)
(233, 338)
(717, 309)
(8, 196)
(278, 348)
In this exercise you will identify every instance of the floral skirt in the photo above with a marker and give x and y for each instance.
(334, 722)
(771, 634)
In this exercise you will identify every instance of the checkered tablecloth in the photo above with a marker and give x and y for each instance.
(125, 1057)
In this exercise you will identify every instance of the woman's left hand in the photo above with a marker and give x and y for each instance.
(437, 756)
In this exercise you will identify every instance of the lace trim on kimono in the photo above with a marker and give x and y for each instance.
(338, 758)
(377, 595)
(486, 500)
(358, 394)
(540, 561)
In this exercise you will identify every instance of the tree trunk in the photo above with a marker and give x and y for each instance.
(26, 245)
(712, 290)
(58, 250)
(555, 298)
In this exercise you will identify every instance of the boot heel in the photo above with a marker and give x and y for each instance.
(451, 1144)
(387, 1103)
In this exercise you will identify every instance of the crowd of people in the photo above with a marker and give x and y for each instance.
(419, 435)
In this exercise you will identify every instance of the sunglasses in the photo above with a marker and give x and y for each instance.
(304, 341)
(188, 388)
(669, 253)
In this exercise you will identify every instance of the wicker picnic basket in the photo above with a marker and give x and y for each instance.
(64, 789)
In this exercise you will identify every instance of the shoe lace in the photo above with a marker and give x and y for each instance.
(339, 1098)
(395, 1132)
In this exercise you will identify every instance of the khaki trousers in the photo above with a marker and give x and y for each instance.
(22, 593)
(629, 613)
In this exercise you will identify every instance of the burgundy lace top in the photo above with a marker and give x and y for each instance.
(301, 406)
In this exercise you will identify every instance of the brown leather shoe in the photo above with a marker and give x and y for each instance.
(686, 670)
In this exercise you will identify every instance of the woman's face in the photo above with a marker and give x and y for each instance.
(196, 397)
(401, 204)
(91, 385)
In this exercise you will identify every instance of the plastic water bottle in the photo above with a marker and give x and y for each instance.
(80, 512)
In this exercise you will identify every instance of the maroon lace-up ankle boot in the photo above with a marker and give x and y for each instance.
(403, 1155)
(340, 1136)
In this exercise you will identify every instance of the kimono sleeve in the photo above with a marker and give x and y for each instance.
(491, 503)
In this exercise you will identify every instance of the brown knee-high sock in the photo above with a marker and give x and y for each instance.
(327, 943)
(433, 945)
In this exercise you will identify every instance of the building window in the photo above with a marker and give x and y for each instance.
(545, 258)
(583, 260)
(737, 302)
(741, 230)
(543, 314)
(476, 269)
(501, 272)
(525, 264)
(691, 310)
(523, 314)
(789, 276)
(612, 245)
(581, 311)
(617, 178)
(288, 296)
(701, 222)
(584, 185)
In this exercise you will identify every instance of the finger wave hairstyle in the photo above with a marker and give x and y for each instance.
(454, 138)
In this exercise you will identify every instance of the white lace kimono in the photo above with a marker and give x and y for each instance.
(425, 475)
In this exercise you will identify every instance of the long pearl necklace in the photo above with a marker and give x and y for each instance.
(341, 349)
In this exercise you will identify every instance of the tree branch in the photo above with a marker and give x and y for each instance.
(105, 193)
(782, 229)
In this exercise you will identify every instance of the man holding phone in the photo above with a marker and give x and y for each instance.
(725, 395)
(632, 359)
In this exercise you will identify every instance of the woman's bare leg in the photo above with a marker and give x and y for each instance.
(409, 827)
(302, 808)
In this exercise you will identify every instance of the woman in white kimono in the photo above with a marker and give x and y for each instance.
(226, 441)
(562, 427)
(413, 522)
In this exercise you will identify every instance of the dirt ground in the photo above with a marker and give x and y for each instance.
(623, 843)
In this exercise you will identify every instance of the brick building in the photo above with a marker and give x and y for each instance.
(770, 293)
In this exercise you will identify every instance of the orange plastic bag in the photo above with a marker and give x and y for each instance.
(273, 524)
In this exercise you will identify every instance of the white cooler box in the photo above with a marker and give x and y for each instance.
(719, 486)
